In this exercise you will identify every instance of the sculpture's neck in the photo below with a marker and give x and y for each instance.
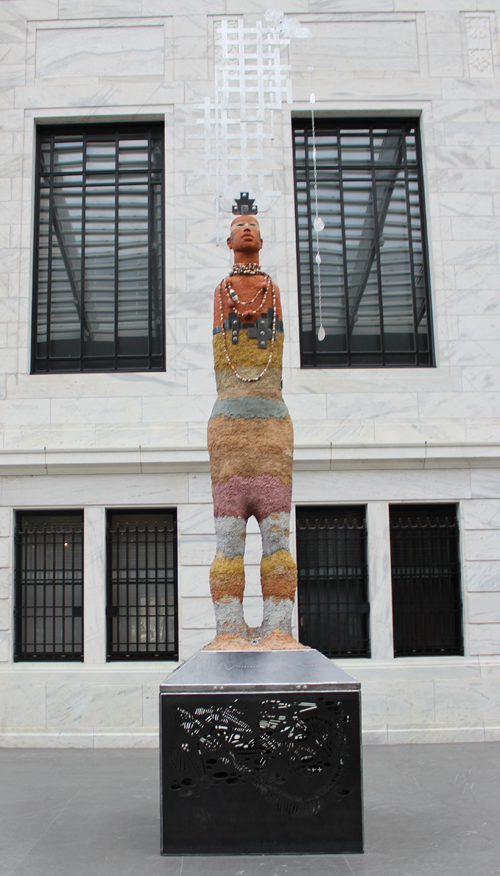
(246, 258)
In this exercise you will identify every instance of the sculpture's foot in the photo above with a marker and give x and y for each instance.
(229, 642)
(255, 634)
(277, 640)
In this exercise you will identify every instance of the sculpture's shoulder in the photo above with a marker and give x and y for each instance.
(222, 283)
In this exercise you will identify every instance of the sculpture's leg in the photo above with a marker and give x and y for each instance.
(278, 573)
(227, 576)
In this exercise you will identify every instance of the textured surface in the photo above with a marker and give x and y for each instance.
(257, 773)
(430, 810)
(250, 444)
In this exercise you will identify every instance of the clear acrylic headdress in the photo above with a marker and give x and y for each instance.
(286, 25)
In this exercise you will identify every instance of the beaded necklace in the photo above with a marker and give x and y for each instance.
(234, 300)
(273, 336)
(244, 268)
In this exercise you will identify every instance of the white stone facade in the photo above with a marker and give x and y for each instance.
(366, 436)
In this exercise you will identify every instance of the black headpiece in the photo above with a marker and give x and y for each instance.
(244, 205)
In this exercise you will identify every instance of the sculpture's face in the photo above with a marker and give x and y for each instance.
(245, 235)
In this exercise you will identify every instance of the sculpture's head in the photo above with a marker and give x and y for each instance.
(244, 238)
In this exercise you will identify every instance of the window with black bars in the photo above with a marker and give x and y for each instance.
(142, 586)
(426, 591)
(98, 263)
(333, 580)
(48, 586)
(374, 270)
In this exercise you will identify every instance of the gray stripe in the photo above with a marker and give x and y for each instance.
(275, 531)
(229, 616)
(248, 408)
(230, 535)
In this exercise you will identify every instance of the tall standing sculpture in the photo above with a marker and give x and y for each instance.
(250, 442)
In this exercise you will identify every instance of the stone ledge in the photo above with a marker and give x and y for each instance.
(79, 739)
(307, 457)
(150, 739)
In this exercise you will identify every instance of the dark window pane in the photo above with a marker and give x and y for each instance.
(426, 597)
(374, 279)
(333, 581)
(98, 296)
(142, 586)
(49, 586)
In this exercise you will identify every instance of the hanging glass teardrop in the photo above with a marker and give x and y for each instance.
(312, 99)
(318, 258)
(318, 224)
(321, 333)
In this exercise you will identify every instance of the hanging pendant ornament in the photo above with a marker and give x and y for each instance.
(318, 223)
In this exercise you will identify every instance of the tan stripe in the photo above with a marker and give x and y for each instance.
(269, 386)
(227, 577)
(246, 352)
(227, 586)
(250, 448)
(283, 585)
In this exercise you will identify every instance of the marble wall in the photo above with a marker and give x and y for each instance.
(369, 436)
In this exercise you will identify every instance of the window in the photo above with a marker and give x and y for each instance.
(333, 580)
(49, 586)
(142, 585)
(373, 271)
(426, 598)
(98, 279)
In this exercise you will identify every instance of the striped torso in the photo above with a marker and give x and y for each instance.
(250, 432)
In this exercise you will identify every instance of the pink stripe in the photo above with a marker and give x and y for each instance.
(260, 496)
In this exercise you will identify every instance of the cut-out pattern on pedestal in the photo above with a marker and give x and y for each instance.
(293, 753)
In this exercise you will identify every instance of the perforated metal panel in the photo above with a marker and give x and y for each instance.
(252, 766)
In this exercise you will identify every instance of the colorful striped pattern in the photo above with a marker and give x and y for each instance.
(250, 442)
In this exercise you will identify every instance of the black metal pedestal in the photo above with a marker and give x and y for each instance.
(260, 753)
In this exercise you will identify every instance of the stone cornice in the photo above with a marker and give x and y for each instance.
(307, 457)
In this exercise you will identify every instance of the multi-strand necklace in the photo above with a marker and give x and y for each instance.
(234, 300)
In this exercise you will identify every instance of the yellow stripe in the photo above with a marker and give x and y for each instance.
(223, 566)
(246, 352)
(277, 563)
(269, 386)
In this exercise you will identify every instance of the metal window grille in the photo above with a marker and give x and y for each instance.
(49, 586)
(98, 278)
(426, 593)
(142, 586)
(374, 271)
(333, 580)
